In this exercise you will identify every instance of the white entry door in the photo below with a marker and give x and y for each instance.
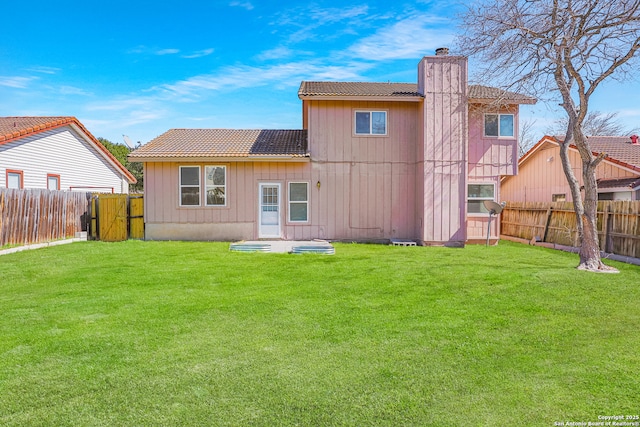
(269, 222)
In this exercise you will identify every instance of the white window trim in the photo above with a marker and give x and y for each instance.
(180, 186)
(499, 136)
(289, 201)
(204, 181)
(480, 214)
(370, 134)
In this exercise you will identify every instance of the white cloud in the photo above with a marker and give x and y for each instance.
(199, 53)
(245, 5)
(288, 75)
(16, 82)
(44, 70)
(406, 39)
(167, 51)
(277, 53)
(71, 90)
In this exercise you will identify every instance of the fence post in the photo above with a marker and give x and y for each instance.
(606, 225)
(548, 222)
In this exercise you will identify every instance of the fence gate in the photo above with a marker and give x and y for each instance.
(117, 217)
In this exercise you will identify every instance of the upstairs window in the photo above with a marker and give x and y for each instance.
(371, 122)
(216, 185)
(499, 125)
(189, 185)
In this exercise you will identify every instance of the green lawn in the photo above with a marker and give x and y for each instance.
(176, 333)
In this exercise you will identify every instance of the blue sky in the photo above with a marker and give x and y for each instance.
(139, 68)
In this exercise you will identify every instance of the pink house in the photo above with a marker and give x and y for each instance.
(541, 178)
(373, 162)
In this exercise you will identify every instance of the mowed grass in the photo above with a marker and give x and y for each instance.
(178, 333)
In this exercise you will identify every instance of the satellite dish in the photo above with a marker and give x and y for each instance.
(494, 208)
(128, 142)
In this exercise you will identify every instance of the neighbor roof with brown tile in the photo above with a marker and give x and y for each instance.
(618, 149)
(227, 143)
(476, 93)
(14, 128)
(631, 183)
(17, 127)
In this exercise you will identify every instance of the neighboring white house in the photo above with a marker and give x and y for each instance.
(57, 153)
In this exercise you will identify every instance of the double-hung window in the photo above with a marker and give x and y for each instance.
(499, 125)
(298, 202)
(476, 195)
(189, 185)
(371, 122)
(216, 185)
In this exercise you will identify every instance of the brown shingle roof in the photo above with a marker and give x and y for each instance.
(357, 89)
(12, 128)
(619, 149)
(212, 143)
(480, 93)
(631, 183)
(347, 89)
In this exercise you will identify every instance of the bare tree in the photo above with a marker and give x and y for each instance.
(526, 136)
(566, 48)
(595, 124)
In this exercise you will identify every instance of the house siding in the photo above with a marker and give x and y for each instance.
(443, 82)
(370, 180)
(489, 156)
(61, 151)
(542, 175)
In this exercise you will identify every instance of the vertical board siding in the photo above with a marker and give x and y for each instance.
(367, 184)
(491, 157)
(63, 152)
(445, 141)
(38, 216)
(542, 175)
(363, 178)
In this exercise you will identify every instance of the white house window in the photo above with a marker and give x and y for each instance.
(14, 179)
(371, 122)
(216, 185)
(189, 185)
(499, 125)
(298, 202)
(477, 194)
(559, 197)
(53, 182)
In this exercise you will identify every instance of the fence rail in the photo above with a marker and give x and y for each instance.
(618, 224)
(38, 216)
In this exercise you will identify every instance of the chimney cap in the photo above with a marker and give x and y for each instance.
(634, 139)
(441, 51)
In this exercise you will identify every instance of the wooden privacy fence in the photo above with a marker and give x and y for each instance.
(117, 217)
(38, 216)
(618, 224)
